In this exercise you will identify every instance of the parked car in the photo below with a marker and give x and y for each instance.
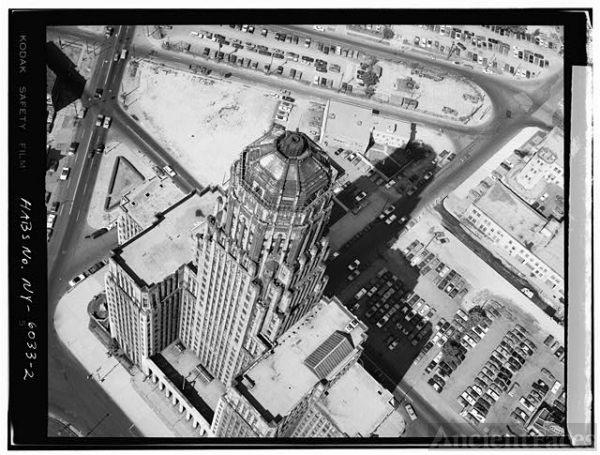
(169, 170)
(75, 281)
(64, 175)
(73, 148)
(353, 275)
(353, 265)
(411, 411)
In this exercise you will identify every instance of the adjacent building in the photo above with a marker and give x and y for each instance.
(310, 385)
(142, 207)
(146, 276)
(260, 257)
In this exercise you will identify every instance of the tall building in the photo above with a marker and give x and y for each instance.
(260, 259)
(146, 276)
(310, 385)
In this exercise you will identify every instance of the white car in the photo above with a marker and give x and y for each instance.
(527, 404)
(360, 196)
(51, 220)
(354, 265)
(463, 315)
(475, 413)
(107, 122)
(386, 212)
(75, 281)
(169, 170)
(64, 175)
(99, 120)
(283, 118)
(391, 219)
(469, 340)
(285, 108)
(468, 398)
(360, 293)
(555, 387)
(411, 411)
(318, 28)
(527, 292)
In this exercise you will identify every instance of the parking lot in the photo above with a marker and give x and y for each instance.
(422, 307)
(267, 49)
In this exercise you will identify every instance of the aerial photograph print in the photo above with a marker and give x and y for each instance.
(268, 234)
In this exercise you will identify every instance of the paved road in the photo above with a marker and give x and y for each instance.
(71, 396)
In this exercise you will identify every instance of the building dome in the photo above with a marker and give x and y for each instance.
(289, 170)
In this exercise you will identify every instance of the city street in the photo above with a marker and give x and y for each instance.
(83, 403)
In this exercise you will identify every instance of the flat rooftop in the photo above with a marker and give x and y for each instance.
(185, 363)
(153, 197)
(282, 378)
(554, 141)
(522, 140)
(163, 248)
(512, 214)
(553, 253)
(392, 427)
(349, 122)
(357, 403)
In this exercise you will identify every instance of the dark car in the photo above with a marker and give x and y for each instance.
(430, 367)
(98, 93)
(54, 207)
(53, 167)
(97, 266)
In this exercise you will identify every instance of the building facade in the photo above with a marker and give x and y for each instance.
(148, 275)
(260, 258)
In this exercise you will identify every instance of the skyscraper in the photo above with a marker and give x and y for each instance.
(260, 260)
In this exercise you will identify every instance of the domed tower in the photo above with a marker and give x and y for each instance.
(261, 258)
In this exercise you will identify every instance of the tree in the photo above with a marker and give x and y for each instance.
(477, 314)
(388, 33)
(370, 91)
(370, 78)
(452, 350)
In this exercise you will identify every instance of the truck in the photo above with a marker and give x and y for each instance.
(123, 54)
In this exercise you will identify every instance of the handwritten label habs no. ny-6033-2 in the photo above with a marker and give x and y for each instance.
(26, 291)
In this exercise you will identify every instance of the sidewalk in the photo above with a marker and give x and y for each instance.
(71, 324)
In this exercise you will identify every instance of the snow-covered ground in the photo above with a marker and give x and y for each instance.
(205, 123)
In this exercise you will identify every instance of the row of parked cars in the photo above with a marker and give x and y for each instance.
(497, 376)
(445, 278)
(82, 276)
(445, 368)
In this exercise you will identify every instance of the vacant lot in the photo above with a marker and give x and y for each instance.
(204, 123)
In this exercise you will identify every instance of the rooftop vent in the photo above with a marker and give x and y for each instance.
(330, 354)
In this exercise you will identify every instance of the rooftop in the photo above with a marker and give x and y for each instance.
(153, 197)
(287, 170)
(553, 253)
(185, 364)
(553, 143)
(357, 403)
(512, 214)
(161, 249)
(281, 378)
(349, 122)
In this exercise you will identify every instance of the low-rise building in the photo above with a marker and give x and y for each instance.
(310, 385)
(142, 207)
